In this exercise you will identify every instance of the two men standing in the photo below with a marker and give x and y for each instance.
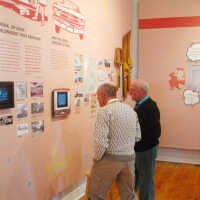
(117, 136)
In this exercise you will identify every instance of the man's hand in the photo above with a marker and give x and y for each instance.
(94, 160)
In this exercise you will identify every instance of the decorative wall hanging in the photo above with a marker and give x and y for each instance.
(190, 97)
(127, 63)
(177, 78)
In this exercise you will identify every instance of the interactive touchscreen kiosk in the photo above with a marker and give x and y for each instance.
(61, 102)
(6, 95)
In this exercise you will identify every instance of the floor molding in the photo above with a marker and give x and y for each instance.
(179, 155)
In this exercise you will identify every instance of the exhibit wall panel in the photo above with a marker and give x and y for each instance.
(40, 43)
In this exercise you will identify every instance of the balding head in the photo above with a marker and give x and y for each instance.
(105, 92)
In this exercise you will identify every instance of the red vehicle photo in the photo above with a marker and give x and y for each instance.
(67, 16)
(31, 9)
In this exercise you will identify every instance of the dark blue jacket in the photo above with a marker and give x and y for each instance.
(149, 119)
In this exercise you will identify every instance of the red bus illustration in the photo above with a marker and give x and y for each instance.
(67, 16)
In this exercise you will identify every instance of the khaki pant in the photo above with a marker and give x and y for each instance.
(105, 172)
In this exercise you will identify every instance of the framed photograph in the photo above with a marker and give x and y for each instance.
(6, 120)
(22, 129)
(22, 110)
(78, 77)
(36, 89)
(21, 90)
(37, 107)
(37, 127)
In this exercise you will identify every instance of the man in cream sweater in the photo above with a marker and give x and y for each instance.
(116, 131)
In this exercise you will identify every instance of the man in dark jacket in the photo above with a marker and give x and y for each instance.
(146, 149)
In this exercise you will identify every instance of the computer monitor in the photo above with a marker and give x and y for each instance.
(6, 95)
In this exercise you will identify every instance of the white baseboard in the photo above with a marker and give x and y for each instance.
(78, 191)
(179, 155)
(76, 194)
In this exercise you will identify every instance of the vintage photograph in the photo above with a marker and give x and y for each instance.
(37, 108)
(6, 120)
(22, 110)
(107, 62)
(21, 90)
(22, 129)
(86, 97)
(78, 77)
(77, 102)
(36, 89)
(37, 127)
(78, 62)
(100, 62)
(78, 93)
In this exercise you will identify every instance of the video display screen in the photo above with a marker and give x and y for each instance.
(6, 94)
(62, 99)
(3, 95)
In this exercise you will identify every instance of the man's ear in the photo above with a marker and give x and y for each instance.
(143, 92)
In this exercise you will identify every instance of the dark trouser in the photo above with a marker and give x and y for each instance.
(145, 167)
(105, 172)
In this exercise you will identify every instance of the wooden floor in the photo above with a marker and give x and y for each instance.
(175, 182)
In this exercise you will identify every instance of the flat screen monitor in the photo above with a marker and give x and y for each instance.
(6, 95)
(61, 102)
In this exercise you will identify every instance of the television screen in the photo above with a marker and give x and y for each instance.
(6, 94)
(62, 98)
(3, 95)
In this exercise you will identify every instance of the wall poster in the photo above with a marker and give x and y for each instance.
(36, 43)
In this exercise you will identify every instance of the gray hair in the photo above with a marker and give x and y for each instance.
(109, 89)
(143, 84)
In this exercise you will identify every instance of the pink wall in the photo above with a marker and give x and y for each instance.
(69, 141)
(161, 51)
(169, 8)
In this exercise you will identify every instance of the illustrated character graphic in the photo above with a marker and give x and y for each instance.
(177, 78)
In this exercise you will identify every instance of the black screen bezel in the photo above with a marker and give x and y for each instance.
(10, 88)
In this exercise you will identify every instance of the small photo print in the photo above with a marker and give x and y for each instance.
(22, 110)
(22, 129)
(86, 97)
(21, 90)
(6, 120)
(36, 89)
(107, 62)
(78, 77)
(78, 93)
(100, 62)
(77, 102)
(78, 62)
(37, 127)
(37, 108)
